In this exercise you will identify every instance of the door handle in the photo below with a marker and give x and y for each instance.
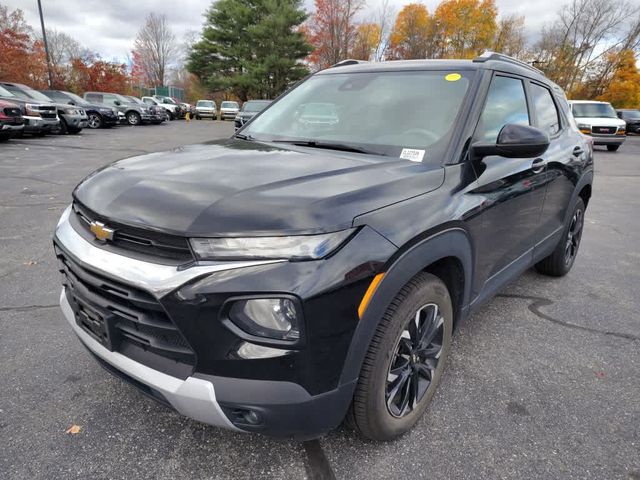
(577, 151)
(538, 165)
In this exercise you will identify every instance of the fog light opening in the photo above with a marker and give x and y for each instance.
(251, 351)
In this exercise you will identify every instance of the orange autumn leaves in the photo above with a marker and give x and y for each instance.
(457, 29)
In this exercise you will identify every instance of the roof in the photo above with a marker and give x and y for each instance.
(487, 61)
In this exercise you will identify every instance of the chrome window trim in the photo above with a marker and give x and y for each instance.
(155, 278)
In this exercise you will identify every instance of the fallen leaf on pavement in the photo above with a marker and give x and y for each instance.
(74, 429)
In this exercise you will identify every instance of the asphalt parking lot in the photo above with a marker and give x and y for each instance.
(543, 382)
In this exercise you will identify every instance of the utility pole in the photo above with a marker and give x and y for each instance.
(46, 45)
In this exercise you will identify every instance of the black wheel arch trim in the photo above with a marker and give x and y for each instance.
(585, 180)
(451, 242)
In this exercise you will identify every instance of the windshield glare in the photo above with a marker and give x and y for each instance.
(382, 112)
(204, 103)
(229, 105)
(601, 110)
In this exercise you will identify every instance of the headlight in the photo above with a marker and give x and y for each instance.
(32, 110)
(301, 247)
(276, 318)
(584, 128)
(621, 130)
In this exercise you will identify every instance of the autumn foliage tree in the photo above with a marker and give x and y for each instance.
(464, 28)
(22, 57)
(623, 90)
(411, 34)
(332, 31)
(366, 41)
(99, 75)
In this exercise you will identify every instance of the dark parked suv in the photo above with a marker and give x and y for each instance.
(98, 115)
(299, 273)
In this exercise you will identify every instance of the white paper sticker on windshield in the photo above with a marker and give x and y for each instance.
(412, 154)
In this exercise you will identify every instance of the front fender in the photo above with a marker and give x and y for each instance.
(453, 242)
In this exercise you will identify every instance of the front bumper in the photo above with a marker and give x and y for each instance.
(301, 394)
(608, 139)
(76, 121)
(226, 115)
(193, 397)
(10, 129)
(39, 124)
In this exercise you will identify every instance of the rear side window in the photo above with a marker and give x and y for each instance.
(546, 111)
(92, 97)
(506, 103)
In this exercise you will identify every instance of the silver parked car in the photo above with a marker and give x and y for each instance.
(206, 109)
(229, 109)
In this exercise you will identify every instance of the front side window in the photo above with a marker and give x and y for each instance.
(546, 111)
(506, 103)
(379, 112)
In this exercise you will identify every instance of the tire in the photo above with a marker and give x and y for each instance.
(171, 116)
(613, 148)
(95, 121)
(4, 138)
(377, 412)
(562, 258)
(133, 118)
(74, 130)
(197, 117)
(63, 128)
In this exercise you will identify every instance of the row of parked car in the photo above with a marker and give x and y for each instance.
(230, 110)
(24, 110)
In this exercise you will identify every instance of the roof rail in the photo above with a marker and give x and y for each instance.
(348, 61)
(501, 57)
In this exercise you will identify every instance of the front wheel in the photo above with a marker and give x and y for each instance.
(405, 360)
(133, 118)
(613, 148)
(561, 259)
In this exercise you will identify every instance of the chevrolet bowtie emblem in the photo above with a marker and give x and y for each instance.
(102, 232)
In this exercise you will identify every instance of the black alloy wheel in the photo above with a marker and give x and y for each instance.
(414, 361)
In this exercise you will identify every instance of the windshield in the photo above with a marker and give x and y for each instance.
(252, 106)
(632, 114)
(135, 100)
(5, 93)
(229, 105)
(27, 93)
(381, 112)
(204, 103)
(601, 110)
(79, 100)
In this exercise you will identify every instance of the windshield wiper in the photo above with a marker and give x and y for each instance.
(343, 147)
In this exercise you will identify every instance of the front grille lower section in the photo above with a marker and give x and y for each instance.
(135, 240)
(48, 112)
(125, 319)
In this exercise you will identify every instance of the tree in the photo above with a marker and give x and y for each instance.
(465, 28)
(251, 48)
(332, 31)
(22, 57)
(410, 37)
(623, 90)
(366, 41)
(155, 48)
(97, 75)
(510, 38)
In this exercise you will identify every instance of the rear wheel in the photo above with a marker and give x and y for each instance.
(561, 259)
(405, 360)
(95, 121)
(613, 148)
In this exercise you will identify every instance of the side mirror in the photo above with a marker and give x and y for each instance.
(514, 141)
(117, 102)
(71, 102)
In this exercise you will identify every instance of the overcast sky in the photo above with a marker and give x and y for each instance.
(109, 27)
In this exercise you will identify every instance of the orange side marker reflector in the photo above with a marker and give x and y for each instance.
(369, 293)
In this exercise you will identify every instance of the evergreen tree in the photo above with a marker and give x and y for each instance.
(252, 48)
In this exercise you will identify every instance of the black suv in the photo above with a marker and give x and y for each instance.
(632, 117)
(99, 116)
(300, 272)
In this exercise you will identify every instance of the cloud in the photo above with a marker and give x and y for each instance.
(109, 27)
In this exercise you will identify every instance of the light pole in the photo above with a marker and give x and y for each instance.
(46, 45)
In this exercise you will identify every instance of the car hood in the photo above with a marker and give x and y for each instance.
(237, 187)
(601, 121)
